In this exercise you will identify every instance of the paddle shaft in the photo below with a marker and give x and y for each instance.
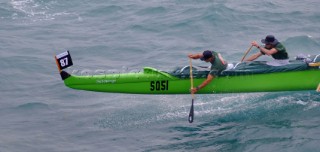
(315, 65)
(191, 113)
(191, 77)
(245, 54)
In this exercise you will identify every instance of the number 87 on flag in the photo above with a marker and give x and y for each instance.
(63, 60)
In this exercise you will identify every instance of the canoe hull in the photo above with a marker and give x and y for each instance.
(156, 82)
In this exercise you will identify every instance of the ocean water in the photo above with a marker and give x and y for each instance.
(38, 113)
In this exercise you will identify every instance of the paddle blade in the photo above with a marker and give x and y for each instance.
(191, 113)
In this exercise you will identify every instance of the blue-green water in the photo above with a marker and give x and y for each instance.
(38, 113)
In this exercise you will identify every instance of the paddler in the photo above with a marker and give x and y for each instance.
(218, 64)
(272, 47)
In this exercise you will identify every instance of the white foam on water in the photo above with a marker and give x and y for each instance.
(38, 10)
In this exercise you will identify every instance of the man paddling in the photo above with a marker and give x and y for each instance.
(272, 47)
(218, 64)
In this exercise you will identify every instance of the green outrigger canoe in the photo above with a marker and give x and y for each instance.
(242, 77)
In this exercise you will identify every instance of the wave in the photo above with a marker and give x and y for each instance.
(152, 11)
(214, 109)
(5, 10)
(38, 10)
(304, 44)
(104, 10)
(33, 106)
(249, 115)
(267, 106)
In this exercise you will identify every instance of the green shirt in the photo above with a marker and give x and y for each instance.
(281, 54)
(218, 64)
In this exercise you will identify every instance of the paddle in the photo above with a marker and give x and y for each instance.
(245, 54)
(191, 113)
(315, 65)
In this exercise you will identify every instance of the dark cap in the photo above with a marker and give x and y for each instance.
(270, 39)
(206, 55)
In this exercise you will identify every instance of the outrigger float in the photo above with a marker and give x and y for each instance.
(255, 76)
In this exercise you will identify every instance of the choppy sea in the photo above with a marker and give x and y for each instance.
(39, 114)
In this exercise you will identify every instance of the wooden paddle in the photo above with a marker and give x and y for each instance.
(191, 113)
(316, 64)
(245, 54)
